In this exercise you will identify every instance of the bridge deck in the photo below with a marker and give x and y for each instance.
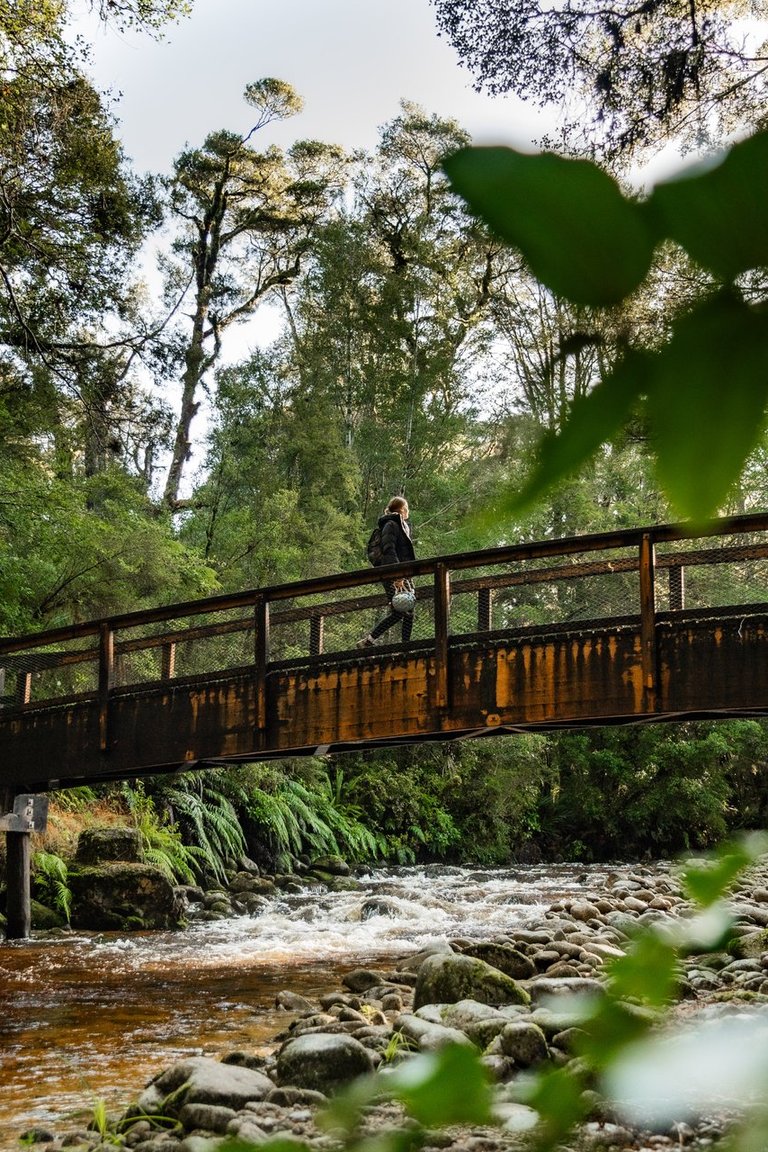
(649, 624)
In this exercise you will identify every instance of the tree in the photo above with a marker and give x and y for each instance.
(647, 70)
(246, 219)
(72, 218)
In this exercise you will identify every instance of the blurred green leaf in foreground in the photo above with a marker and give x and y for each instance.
(702, 392)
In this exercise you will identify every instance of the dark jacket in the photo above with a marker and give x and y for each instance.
(396, 544)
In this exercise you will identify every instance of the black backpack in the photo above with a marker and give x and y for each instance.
(374, 550)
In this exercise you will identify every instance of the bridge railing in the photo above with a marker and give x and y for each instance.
(575, 582)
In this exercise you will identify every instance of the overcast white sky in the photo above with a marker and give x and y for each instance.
(351, 60)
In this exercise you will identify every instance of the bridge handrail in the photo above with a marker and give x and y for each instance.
(112, 643)
(489, 557)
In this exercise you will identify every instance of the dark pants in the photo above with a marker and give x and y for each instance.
(392, 618)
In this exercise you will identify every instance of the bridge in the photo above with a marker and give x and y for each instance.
(655, 623)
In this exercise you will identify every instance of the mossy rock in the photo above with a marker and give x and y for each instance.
(44, 918)
(446, 978)
(122, 896)
(105, 844)
(749, 947)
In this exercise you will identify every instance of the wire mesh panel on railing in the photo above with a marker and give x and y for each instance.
(545, 591)
(336, 619)
(726, 571)
(52, 672)
(197, 645)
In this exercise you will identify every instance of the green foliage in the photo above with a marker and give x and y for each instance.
(581, 237)
(161, 841)
(700, 444)
(50, 878)
(201, 810)
(76, 548)
(617, 793)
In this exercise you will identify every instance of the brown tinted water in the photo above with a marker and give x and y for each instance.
(74, 1030)
(88, 1018)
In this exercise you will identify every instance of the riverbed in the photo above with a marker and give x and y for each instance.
(92, 1017)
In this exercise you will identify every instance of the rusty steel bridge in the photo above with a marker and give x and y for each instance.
(648, 624)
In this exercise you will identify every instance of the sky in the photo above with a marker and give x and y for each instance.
(352, 61)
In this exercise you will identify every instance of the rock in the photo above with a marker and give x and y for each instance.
(413, 963)
(448, 978)
(293, 1002)
(209, 1117)
(321, 1061)
(583, 910)
(332, 865)
(481, 1022)
(564, 986)
(362, 979)
(378, 906)
(288, 1097)
(511, 961)
(428, 1036)
(101, 845)
(749, 947)
(44, 918)
(38, 1135)
(201, 1080)
(248, 882)
(123, 895)
(524, 1042)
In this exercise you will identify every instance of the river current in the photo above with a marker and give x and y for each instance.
(92, 1017)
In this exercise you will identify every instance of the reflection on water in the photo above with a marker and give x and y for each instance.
(93, 1017)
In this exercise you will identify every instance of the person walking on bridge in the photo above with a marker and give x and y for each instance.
(396, 548)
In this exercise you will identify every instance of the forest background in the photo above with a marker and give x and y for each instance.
(415, 352)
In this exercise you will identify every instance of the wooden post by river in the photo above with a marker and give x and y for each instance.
(29, 814)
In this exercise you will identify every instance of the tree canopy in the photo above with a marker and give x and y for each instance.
(646, 70)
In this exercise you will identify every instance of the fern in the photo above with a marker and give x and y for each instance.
(161, 841)
(51, 882)
(210, 821)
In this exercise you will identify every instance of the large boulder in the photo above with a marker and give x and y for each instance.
(202, 1080)
(124, 896)
(322, 1061)
(446, 978)
(101, 845)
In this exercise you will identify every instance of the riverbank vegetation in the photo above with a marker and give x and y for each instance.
(143, 462)
(608, 794)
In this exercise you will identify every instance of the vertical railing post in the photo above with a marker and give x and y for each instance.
(316, 631)
(261, 660)
(649, 660)
(23, 686)
(676, 588)
(106, 675)
(168, 661)
(484, 609)
(442, 610)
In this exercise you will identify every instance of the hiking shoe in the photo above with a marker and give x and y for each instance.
(366, 642)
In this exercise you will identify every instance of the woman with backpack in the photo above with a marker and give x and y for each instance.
(396, 548)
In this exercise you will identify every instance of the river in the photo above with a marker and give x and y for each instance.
(92, 1017)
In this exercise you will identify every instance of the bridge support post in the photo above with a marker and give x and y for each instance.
(29, 812)
(442, 609)
(649, 654)
(106, 676)
(260, 662)
(18, 908)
